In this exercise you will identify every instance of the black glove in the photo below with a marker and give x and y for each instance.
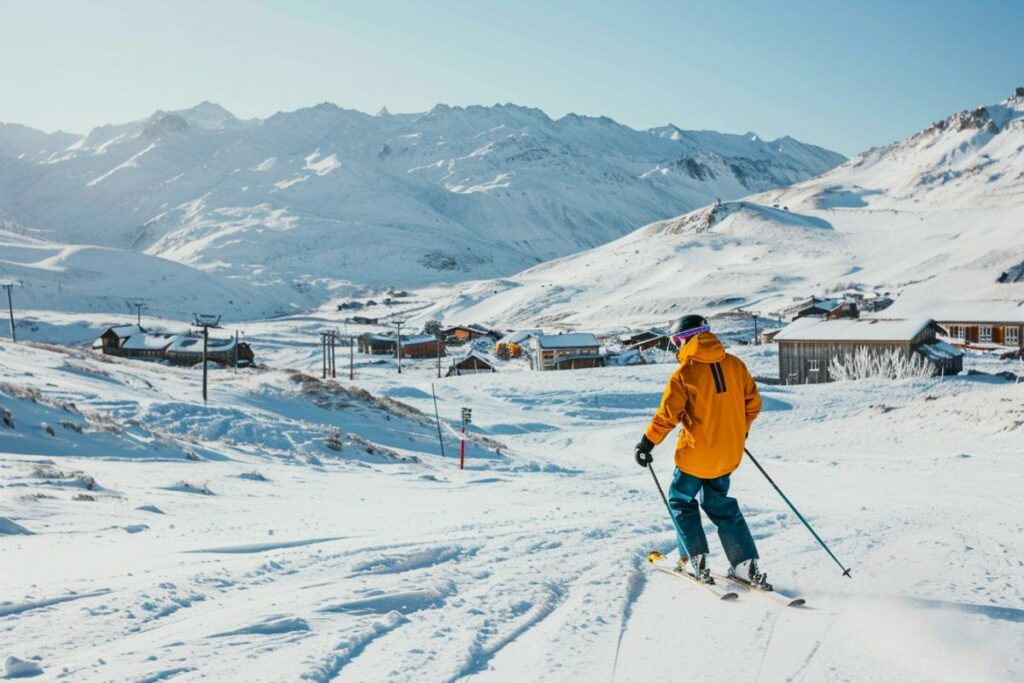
(642, 452)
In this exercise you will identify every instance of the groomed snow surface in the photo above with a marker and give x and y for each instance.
(151, 538)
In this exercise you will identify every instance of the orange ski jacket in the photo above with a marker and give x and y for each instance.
(712, 395)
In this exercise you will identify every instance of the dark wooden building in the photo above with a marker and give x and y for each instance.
(654, 338)
(470, 364)
(133, 341)
(414, 346)
(459, 334)
(808, 345)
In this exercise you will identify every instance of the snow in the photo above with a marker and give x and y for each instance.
(51, 276)
(394, 564)
(852, 329)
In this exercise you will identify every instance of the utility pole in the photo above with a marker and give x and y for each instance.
(10, 308)
(398, 345)
(206, 321)
(467, 417)
(334, 340)
(757, 339)
(138, 312)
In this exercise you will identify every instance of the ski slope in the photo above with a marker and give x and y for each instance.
(50, 276)
(173, 541)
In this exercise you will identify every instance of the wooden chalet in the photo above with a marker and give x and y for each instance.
(459, 334)
(413, 346)
(188, 350)
(808, 345)
(984, 325)
(112, 339)
(570, 351)
(133, 341)
(815, 307)
(654, 338)
(471, 364)
(512, 344)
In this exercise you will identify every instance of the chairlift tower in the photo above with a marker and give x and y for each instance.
(205, 321)
(10, 307)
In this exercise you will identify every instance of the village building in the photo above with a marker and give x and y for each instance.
(570, 351)
(513, 344)
(472, 363)
(363, 320)
(648, 339)
(985, 325)
(112, 339)
(133, 341)
(413, 346)
(814, 307)
(808, 345)
(188, 350)
(460, 334)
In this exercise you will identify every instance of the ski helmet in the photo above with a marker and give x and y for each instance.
(688, 326)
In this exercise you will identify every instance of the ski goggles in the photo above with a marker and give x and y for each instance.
(681, 338)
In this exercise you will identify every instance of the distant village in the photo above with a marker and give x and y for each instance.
(815, 338)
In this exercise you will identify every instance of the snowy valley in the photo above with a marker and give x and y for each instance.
(304, 528)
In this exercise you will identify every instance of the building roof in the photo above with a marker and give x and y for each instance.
(939, 351)
(519, 336)
(979, 312)
(124, 331)
(194, 344)
(570, 340)
(407, 340)
(474, 354)
(853, 329)
(154, 341)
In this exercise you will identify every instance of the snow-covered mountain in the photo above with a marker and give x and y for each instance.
(330, 194)
(936, 217)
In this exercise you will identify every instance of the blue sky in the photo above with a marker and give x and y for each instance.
(844, 75)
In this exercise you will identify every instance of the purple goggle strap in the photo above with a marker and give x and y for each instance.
(680, 338)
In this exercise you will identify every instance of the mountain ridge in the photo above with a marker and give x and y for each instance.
(325, 196)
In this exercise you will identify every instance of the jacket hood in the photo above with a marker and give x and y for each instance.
(704, 348)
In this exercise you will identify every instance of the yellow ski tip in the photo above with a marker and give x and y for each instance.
(654, 556)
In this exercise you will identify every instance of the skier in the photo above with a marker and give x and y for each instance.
(713, 397)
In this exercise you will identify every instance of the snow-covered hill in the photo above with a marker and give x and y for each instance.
(937, 216)
(80, 278)
(326, 193)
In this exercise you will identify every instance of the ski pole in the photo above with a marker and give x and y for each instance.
(846, 572)
(679, 532)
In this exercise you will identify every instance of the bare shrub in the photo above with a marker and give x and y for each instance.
(863, 364)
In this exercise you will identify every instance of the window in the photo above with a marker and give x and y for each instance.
(1012, 336)
(986, 333)
(958, 331)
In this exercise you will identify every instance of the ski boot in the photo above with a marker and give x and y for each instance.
(698, 570)
(750, 572)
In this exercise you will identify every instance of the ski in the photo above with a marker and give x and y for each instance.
(662, 563)
(773, 595)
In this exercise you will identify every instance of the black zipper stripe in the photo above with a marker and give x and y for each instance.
(714, 375)
(721, 376)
